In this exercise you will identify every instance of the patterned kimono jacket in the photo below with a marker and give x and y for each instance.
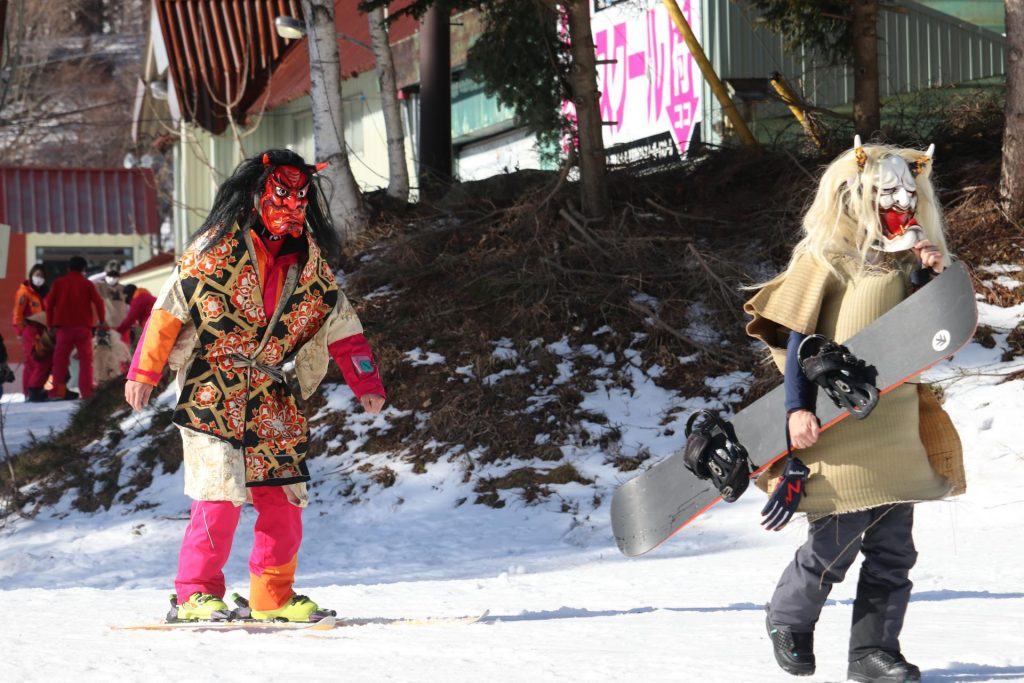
(239, 421)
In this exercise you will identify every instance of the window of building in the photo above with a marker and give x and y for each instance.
(56, 258)
(475, 114)
(354, 111)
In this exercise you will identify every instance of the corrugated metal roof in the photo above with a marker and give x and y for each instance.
(290, 79)
(97, 201)
(164, 258)
(221, 53)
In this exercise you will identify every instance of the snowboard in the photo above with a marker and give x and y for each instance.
(921, 331)
(325, 624)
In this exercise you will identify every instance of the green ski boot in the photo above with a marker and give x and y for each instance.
(199, 607)
(298, 608)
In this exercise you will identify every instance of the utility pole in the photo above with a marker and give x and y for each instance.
(435, 148)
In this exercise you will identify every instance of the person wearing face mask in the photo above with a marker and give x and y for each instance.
(110, 288)
(110, 353)
(30, 323)
(254, 290)
(872, 234)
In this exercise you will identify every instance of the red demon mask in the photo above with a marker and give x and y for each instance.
(283, 202)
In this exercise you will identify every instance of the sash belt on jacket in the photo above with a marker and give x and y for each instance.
(274, 372)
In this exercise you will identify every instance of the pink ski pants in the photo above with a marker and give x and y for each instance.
(207, 545)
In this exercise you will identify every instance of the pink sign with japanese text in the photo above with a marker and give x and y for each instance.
(650, 84)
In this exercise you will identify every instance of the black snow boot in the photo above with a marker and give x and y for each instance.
(882, 666)
(794, 652)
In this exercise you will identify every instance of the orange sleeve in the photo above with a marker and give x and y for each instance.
(20, 303)
(154, 347)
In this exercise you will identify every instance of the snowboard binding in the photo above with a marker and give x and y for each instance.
(846, 379)
(713, 452)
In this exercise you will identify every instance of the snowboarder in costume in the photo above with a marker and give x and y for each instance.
(253, 290)
(872, 234)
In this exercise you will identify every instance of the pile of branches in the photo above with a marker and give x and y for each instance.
(669, 263)
(471, 304)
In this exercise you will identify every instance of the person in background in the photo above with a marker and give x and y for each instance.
(110, 353)
(112, 292)
(140, 304)
(30, 323)
(73, 307)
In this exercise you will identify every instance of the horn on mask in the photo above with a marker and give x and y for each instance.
(921, 163)
(859, 153)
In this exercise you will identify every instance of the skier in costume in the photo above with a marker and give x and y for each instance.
(872, 234)
(252, 291)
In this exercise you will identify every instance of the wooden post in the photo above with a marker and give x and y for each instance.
(793, 102)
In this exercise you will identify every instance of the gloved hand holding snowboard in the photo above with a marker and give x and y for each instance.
(846, 379)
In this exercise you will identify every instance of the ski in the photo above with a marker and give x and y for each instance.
(253, 625)
(325, 624)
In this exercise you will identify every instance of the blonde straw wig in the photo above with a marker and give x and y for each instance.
(843, 219)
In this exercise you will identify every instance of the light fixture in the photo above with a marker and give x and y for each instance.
(158, 89)
(294, 29)
(290, 27)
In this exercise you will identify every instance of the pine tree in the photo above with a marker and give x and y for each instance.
(842, 32)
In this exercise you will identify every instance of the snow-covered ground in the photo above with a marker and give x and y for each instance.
(564, 604)
(24, 421)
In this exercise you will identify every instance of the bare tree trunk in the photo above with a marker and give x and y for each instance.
(867, 116)
(587, 98)
(344, 198)
(398, 171)
(1011, 181)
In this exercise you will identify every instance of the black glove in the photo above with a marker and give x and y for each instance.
(784, 501)
(6, 374)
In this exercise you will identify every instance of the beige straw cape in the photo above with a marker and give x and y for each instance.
(907, 449)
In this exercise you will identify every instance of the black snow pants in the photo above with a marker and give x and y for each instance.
(885, 536)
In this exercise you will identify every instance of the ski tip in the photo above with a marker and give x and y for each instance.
(324, 624)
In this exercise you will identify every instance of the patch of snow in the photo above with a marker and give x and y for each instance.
(418, 356)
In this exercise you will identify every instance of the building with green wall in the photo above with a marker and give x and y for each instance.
(990, 14)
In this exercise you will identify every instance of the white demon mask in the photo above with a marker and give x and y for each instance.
(897, 202)
(896, 192)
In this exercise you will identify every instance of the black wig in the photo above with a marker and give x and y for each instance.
(235, 202)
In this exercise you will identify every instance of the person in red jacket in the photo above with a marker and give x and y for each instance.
(73, 308)
(28, 308)
(140, 304)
